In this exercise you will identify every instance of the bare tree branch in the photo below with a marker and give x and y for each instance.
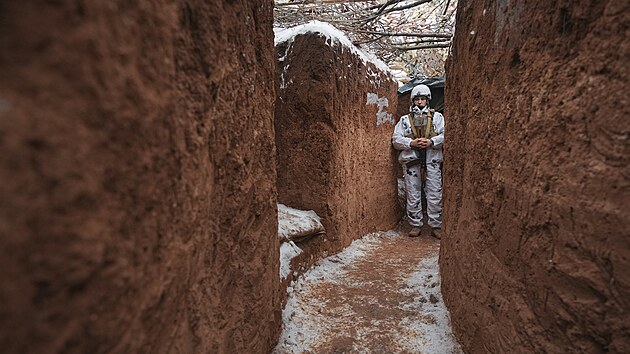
(321, 2)
(446, 7)
(407, 34)
(430, 40)
(400, 8)
(424, 47)
(383, 27)
(382, 8)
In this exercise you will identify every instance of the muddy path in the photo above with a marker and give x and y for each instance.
(380, 295)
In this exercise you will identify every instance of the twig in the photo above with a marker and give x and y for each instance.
(407, 34)
(424, 47)
(448, 2)
(400, 8)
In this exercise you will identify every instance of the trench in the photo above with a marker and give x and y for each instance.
(139, 185)
(379, 295)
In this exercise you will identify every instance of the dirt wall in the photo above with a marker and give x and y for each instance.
(138, 209)
(536, 244)
(402, 108)
(333, 121)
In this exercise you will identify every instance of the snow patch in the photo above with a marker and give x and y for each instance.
(331, 269)
(307, 320)
(333, 36)
(381, 102)
(295, 222)
(401, 76)
(288, 251)
(299, 328)
(433, 334)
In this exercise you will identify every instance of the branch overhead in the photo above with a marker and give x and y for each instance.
(385, 27)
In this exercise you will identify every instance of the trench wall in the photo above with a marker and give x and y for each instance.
(536, 245)
(138, 208)
(402, 108)
(334, 117)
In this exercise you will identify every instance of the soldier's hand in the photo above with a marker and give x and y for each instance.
(417, 143)
(424, 143)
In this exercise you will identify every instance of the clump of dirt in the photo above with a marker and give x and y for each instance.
(333, 121)
(138, 209)
(536, 246)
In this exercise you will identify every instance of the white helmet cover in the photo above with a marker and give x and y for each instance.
(421, 90)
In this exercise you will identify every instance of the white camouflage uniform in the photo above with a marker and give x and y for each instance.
(413, 180)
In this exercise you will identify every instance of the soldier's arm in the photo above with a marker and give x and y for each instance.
(438, 140)
(399, 140)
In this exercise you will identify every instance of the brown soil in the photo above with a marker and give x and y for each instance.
(536, 244)
(375, 304)
(403, 105)
(333, 155)
(137, 212)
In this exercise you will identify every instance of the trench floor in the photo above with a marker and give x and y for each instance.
(380, 295)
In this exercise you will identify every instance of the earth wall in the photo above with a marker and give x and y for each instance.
(536, 246)
(138, 209)
(334, 117)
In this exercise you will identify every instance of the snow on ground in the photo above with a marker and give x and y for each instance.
(299, 332)
(332, 269)
(434, 335)
(294, 224)
(288, 251)
(382, 293)
(297, 222)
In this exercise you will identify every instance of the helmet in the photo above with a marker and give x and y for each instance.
(421, 90)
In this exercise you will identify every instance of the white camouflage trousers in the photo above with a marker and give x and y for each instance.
(433, 192)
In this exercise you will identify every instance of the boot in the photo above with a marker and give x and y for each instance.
(414, 232)
(437, 233)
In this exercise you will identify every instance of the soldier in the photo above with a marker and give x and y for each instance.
(419, 136)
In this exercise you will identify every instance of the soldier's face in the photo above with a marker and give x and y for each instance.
(420, 101)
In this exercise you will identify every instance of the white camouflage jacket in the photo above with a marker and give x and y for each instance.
(401, 142)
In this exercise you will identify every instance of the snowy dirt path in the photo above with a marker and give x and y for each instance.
(380, 295)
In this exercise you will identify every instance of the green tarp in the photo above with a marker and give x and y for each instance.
(436, 84)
